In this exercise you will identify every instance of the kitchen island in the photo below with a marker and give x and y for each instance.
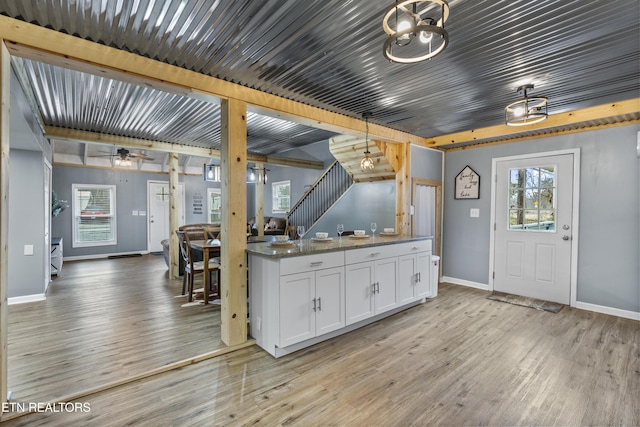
(302, 294)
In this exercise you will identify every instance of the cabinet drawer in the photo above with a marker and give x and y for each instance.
(413, 247)
(371, 253)
(304, 263)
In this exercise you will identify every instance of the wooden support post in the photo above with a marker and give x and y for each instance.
(233, 258)
(5, 88)
(403, 190)
(174, 203)
(260, 202)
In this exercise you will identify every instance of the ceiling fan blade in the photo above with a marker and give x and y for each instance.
(140, 156)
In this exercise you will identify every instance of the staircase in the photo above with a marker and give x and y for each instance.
(341, 175)
(327, 189)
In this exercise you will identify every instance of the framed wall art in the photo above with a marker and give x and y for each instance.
(467, 184)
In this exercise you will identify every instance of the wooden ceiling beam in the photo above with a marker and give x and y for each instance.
(630, 106)
(53, 132)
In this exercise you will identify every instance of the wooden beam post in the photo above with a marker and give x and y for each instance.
(174, 203)
(233, 258)
(403, 190)
(260, 203)
(5, 88)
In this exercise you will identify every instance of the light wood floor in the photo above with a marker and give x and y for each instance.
(460, 359)
(104, 320)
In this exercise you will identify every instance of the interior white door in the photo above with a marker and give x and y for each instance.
(158, 215)
(533, 228)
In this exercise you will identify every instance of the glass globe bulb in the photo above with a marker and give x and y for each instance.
(426, 36)
(366, 163)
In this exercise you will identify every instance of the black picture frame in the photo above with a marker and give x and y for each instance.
(467, 184)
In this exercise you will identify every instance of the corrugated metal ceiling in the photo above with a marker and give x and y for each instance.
(328, 53)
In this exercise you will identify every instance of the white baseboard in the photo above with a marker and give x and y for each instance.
(634, 315)
(467, 283)
(26, 298)
(100, 256)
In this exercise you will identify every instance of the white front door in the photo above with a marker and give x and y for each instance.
(533, 227)
(158, 215)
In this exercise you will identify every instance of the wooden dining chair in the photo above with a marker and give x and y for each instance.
(191, 268)
(212, 232)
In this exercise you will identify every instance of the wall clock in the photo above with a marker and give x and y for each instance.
(467, 184)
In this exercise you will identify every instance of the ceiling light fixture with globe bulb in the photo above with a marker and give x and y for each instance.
(415, 19)
(526, 111)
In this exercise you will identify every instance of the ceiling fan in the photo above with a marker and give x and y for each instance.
(123, 157)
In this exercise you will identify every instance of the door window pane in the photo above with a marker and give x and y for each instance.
(532, 198)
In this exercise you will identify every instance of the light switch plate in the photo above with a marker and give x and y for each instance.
(28, 249)
(474, 213)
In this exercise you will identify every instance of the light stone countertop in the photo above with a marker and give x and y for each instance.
(311, 246)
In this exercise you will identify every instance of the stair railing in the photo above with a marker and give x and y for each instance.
(327, 189)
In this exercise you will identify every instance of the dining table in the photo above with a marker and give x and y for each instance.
(212, 246)
(207, 247)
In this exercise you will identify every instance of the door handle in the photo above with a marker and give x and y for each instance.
(565, 237)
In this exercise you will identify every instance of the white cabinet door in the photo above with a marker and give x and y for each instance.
(424, 287)
(359, 291)
(386, 278)
(330, 308)
(297, 319)
(407, 278)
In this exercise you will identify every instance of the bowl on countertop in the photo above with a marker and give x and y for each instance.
(358, 232)
(322, 235)
(281, 238)
(389, 230)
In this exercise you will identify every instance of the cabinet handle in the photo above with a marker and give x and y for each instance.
(314, 304)
(419, 277)
(377, 287)
(375, 254)
(319, 304)
(373, 288)
(316, 263)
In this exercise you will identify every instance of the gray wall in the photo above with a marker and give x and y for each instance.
(131, 194)
(28, 151)
(609, 250)
(426, 163)
(26, 224)
(361, 205)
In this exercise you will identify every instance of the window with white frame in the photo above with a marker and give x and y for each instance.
(281, 196)
(214, 205)
(94, 215)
